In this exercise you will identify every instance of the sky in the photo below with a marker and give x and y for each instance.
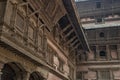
(80, 0)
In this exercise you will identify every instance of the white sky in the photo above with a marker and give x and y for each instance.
(80, 0)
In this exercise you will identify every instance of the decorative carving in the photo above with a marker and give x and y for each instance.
(1, 67)
(26, 75)
(20, 22)
(50, 8)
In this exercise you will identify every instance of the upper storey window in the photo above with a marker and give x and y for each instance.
(99, 20)
(98, 4)
(20, 22)
(102, 34)
(102, 54)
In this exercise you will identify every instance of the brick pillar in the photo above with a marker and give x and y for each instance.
(108, 52)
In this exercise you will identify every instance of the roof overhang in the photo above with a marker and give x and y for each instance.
(74, 17)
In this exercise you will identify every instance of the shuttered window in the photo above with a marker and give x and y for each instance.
(104, 75)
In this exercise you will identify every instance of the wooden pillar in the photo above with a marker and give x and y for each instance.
(98, 75)
(13, 17)
(111, 75)
(1, 67)
(108, 52)
(97, 52)
(26, 25)
(118, 50)
(26, 75)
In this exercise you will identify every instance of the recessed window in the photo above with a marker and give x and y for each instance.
(101, 34)
(98, 4)
(99, 20)
(102, 54)
(104, 75)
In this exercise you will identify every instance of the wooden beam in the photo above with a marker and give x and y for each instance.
(22, 4)
(71, 40)
(75, 47)
(69, 33)
(37, 11)
(74, 42)
(65, 28)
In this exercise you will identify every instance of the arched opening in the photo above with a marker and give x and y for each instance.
(36, 76)
(12, 71)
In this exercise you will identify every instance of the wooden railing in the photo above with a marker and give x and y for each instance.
(105, 40)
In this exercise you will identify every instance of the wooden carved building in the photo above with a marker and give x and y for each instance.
(39, 39)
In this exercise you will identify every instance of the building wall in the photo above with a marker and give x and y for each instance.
(100, 19)
(29, 46)
(104, 57)
(97, 7)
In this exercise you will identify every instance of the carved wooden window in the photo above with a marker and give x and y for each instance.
(55, 60)
(99, 20)
(30, 32)
(104, 75)
(91, 34)
(61, 64)
(102, 34)
(20, 22)
(49, 55)
(113, 32)
(82, 57)
(40, 41)
(71, 72)
(98, 4)
(102, 54)
(113, 51)
(50, 8)
(40, 36)
(80, 75)
(44, 43)
(56, 33)
(93, 48)
(51, 58)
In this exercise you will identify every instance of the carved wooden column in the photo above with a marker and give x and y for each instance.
(13, 17)
(44, 42)
(1, 67)
(98, 75)
(111, 75)
(26, 75)
(36, 38)
(12, 20)
(108, 52)
(26, 30)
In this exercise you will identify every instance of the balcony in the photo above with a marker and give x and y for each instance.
(114, 40)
